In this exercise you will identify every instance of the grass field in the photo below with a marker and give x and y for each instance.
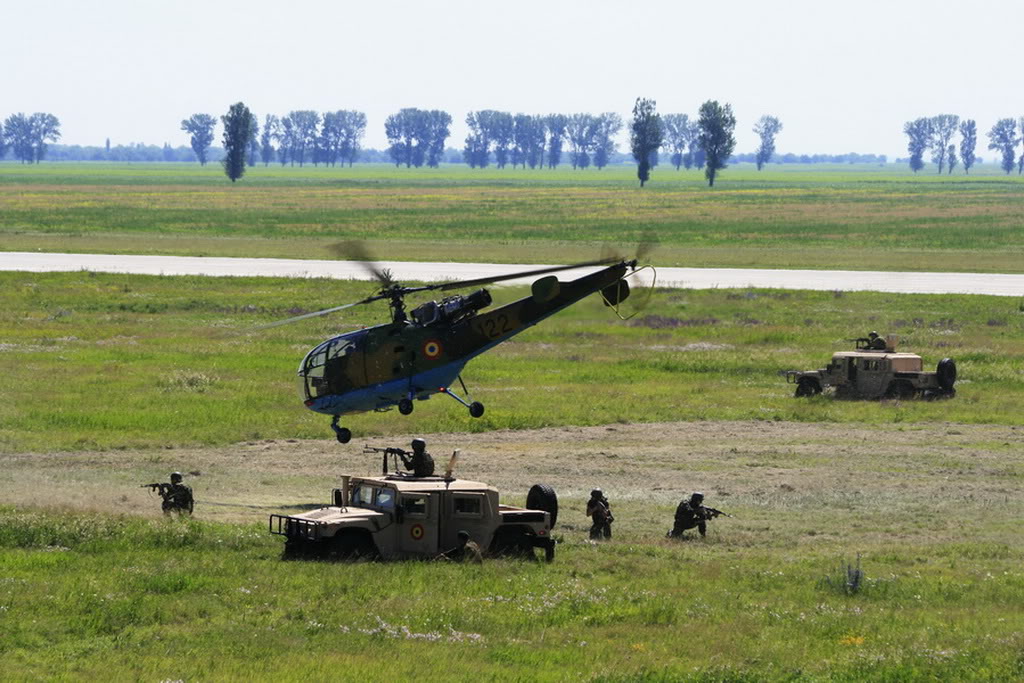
(806, 217)
(98, 361)
(932, 513)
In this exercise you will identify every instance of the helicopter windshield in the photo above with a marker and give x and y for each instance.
(333, 367)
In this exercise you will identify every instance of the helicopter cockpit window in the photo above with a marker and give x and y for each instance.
(324, 368)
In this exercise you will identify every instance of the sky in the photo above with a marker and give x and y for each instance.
(841, 76)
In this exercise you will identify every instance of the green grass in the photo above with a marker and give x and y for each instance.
(95, 361)
(806, 217)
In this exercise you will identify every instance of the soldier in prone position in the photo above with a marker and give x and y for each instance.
(465, 551)
(599, 510)
(177, 497)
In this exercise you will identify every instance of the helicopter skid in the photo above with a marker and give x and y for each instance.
(387, 394)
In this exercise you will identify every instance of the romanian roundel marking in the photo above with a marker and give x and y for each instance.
(432, 349)
(416, 531)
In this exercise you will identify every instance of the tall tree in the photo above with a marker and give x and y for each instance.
(354, 127)
(606, 127)
(271, 129)
(304, 125)
(502, 132)
(536, 141)
(919, 132)
(237, 135)
(18, 131)
(200, 128)
(1003, 138)
(478, 143)
(968, 143)
(1020, 162)
(580, 132)
(645, 136)
(253, 150)
(556, 125)
(285, 140)
(695, 157)
(717, 124)
(45, 128)
(767, 127)
(677, 136)
(943, 128)
(437, 129)
(951, 159)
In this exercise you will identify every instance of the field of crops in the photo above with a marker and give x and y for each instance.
(109, 381)
(804, 217)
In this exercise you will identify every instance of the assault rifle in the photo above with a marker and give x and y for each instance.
(156, 487)
(715, 513)
(394, 452)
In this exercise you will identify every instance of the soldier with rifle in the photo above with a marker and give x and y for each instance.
(419, 460)
(177, 497)
(872, 342)
(600, 512)
(692, 513)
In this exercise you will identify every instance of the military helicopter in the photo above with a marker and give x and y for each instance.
(420, 354)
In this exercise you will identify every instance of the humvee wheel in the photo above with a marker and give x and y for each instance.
(351, 545)
(405, 406)
(807, 387)
(295, 550)
(900, 389)
(946, 372)
(476, 409)
(542, 497)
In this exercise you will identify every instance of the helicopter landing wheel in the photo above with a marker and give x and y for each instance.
(344, 434)
(405, 406)
(476, 409)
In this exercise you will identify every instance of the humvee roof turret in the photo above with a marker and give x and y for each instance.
(883, 373)
(396, 516)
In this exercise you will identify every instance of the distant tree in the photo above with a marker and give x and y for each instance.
(167, 152)
(606, 127)
(1003, 138)
(238, 124)
(271, 129)
(285, 138)
(580, 132)
(45, 128)
(920, 133)
(556, 125)
(695, 157)
(677, 136)
(522, 127)
(968, 143)
(200, 128)
(4, 144)
(354, 127)
(304, 132)
(253, 150)
(646, 135)
(1020, 162)
(501, 133)
(951, 159)
(536, 141)
(943, 128)
(717, 124)
(477, 151)
(436, 131)
(767, 127)
(18, 131)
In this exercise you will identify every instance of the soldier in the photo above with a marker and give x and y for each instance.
(419, 461)
(600, 512)
(177, 496)
(875, 343)
(691, 513)
(465, 550)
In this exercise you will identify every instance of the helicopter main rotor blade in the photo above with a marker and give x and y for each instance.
(317, 314)
(353, 250)
(445, 286)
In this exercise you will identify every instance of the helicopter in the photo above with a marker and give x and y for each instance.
(422, 352)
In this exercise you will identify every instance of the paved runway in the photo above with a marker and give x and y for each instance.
(693, 278)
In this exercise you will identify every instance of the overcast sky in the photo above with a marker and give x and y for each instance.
(842, 76)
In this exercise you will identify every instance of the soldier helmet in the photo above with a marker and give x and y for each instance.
(176, 477)
(872, 334)
(697, 497)
(418, 444)
(596, 493)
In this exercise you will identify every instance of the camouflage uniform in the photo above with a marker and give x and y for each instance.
(177, 498)
(465, 551)
(600, 512)
(689, 515)
(419, 461)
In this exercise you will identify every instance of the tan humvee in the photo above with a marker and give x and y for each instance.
(396, 516)
(881, 373)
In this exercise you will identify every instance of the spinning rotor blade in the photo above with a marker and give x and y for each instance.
(317, 314)
(445, 286)
(353, 250)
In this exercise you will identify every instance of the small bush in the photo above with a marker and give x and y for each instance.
(847, 578)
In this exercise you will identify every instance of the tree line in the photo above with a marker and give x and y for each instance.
(27, 136)
(935, 134)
